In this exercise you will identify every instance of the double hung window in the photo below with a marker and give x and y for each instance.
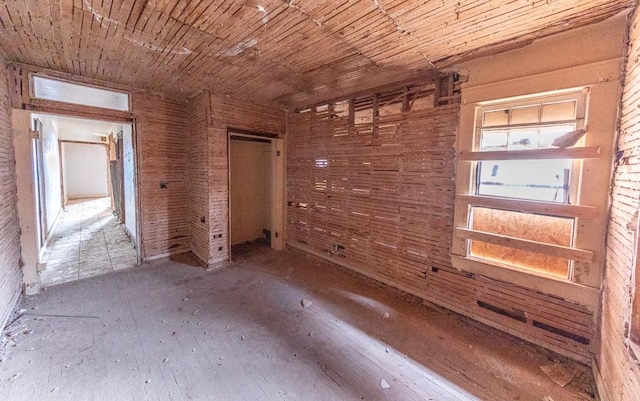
(523, 200)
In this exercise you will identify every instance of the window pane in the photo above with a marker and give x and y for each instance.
(539, 180)
(494, 140)
(549, 134)
(498, 117)
(51, 89)
(521, 139)
(559, 111)
(525, 115)
(546, 229)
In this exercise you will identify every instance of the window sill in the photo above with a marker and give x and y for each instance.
(579, 152)
(558, 287)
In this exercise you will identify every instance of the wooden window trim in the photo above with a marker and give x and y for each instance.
(74, 110)
(528, 125)
(529, 206)
(31, 76)
(565, 289)
(526, 245)
(586, 152)
(22, 95)
(586, 251)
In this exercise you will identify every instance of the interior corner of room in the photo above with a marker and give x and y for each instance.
(472, 164)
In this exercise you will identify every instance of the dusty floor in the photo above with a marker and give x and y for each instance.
(169, 331)
(88, 241)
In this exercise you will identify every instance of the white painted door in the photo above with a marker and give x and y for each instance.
(129, 181)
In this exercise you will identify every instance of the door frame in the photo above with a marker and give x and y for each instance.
(40, 194)
(132, 123)
(277, 184)
(25, 176)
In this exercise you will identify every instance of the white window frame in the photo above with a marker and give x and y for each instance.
(32, 93)
(580, 98)
(588, 231)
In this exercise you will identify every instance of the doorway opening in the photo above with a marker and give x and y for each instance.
(254, 193)
(85, 193)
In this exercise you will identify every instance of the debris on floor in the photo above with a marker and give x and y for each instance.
(143, 321)
(558, 374)
(14, 377)
(16, 327)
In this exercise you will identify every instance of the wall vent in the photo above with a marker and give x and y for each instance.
(563, 333)
(514, 314)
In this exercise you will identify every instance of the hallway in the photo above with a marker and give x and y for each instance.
(88, 241)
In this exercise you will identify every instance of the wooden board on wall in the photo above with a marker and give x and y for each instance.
(163, 155)
(378, 196)
(386, 196)
(199, 175)
(10, 273)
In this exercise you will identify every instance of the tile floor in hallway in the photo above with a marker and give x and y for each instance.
(88, 241)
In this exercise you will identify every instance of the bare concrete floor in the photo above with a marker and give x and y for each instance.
(88, 241)
(169, 331)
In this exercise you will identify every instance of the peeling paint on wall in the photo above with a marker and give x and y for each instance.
(292, 4)
(240, 47)
(155, 48)
(265, 15)
(101, 19)
(390, 18)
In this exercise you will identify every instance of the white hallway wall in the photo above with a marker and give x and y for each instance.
(51, 170)
(85, 170)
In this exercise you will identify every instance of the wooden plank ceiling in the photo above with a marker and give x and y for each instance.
(282, 52)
